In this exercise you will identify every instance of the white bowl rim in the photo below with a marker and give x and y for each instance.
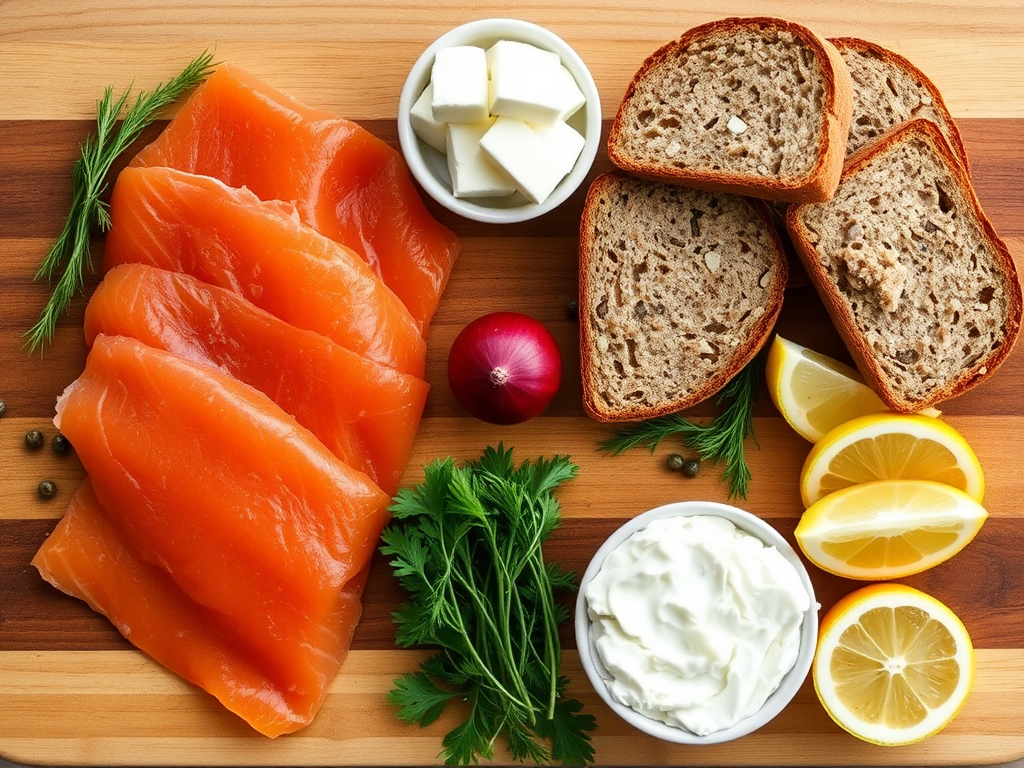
(499, 28)
(790, 683)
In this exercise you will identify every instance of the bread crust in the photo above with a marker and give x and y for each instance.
(838, 308)
(896, 60)
(593, 405)
(818, 184)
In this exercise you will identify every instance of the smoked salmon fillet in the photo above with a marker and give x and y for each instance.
(366, 413)
(89, 558)
(247, 514)
(345, 182)
(261, 251)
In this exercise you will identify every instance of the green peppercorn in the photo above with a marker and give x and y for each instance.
(675, 462)
(60, 444)
(47, 489)
(34, 439)
(691, 467)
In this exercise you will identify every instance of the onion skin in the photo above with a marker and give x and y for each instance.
(504, 368)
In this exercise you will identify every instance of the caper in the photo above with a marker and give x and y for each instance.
(675, 462)
(34, 439)
(572, 309)
(47, 489)
(691, 467)
(60, 444)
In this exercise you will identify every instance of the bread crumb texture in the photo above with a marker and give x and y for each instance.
(921, 280)
(675, 282)
(886, 95)
(687, 111)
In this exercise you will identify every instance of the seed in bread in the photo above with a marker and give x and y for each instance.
(679, 289)
(755, 106)
(922, 290)
(888, 90)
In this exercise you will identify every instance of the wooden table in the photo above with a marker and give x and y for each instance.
(72, 691)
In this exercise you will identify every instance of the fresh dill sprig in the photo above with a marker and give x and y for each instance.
(88, 212)
(721, 441)
(466, 546)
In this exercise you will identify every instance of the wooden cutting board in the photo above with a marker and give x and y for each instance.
(72, 691)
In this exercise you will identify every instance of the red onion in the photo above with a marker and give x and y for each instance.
(504, 368)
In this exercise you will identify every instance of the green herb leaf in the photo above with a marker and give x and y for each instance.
(466, 545)
(565, 730)
(418, 698)
(88, 212)
(721, 441)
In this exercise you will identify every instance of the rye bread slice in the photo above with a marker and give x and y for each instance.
(755, 106)
(917, 282)
(679, 289)
(888, 90)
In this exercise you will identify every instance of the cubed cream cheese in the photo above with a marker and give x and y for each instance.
(421, 117)
(459, 77)
(570, 97)
(563, 143)
(531, 160)
(530, 84)
(473, 174)
(499, 117)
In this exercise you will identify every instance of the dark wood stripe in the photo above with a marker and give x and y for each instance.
(32, 383)
(984, 585)
(37, 156)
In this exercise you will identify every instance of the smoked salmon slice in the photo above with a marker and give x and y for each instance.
(366, 413)
(243, 510)
(345, 182)
(260, 250)
(89, 558)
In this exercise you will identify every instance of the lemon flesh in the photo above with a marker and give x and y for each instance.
(894, 665)
(888, 529)
(890, 446)
(814, 392)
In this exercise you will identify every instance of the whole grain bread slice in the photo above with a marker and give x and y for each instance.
(918, 284)
(679, 289)
(888, 90)
(755, 106)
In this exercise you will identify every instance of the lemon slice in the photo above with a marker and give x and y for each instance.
(816, 393)
(893, 665)
(888, 529)
(890, 446)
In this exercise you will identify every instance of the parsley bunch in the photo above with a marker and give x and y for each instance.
(466, 546)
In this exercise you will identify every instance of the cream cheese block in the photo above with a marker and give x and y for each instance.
(459, 77)
(473, 175)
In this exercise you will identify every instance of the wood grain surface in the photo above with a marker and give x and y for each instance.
(73, 691)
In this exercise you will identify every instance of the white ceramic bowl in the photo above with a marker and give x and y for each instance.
(790, 683)
(431, 168)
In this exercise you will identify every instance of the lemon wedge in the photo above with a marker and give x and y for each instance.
(890, 446)
(814, 392)
(888, 529)
(893, 665)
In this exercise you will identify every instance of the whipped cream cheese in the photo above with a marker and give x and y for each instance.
(696, 621)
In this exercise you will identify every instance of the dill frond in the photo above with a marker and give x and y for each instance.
(720, 442)
(88, 212)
